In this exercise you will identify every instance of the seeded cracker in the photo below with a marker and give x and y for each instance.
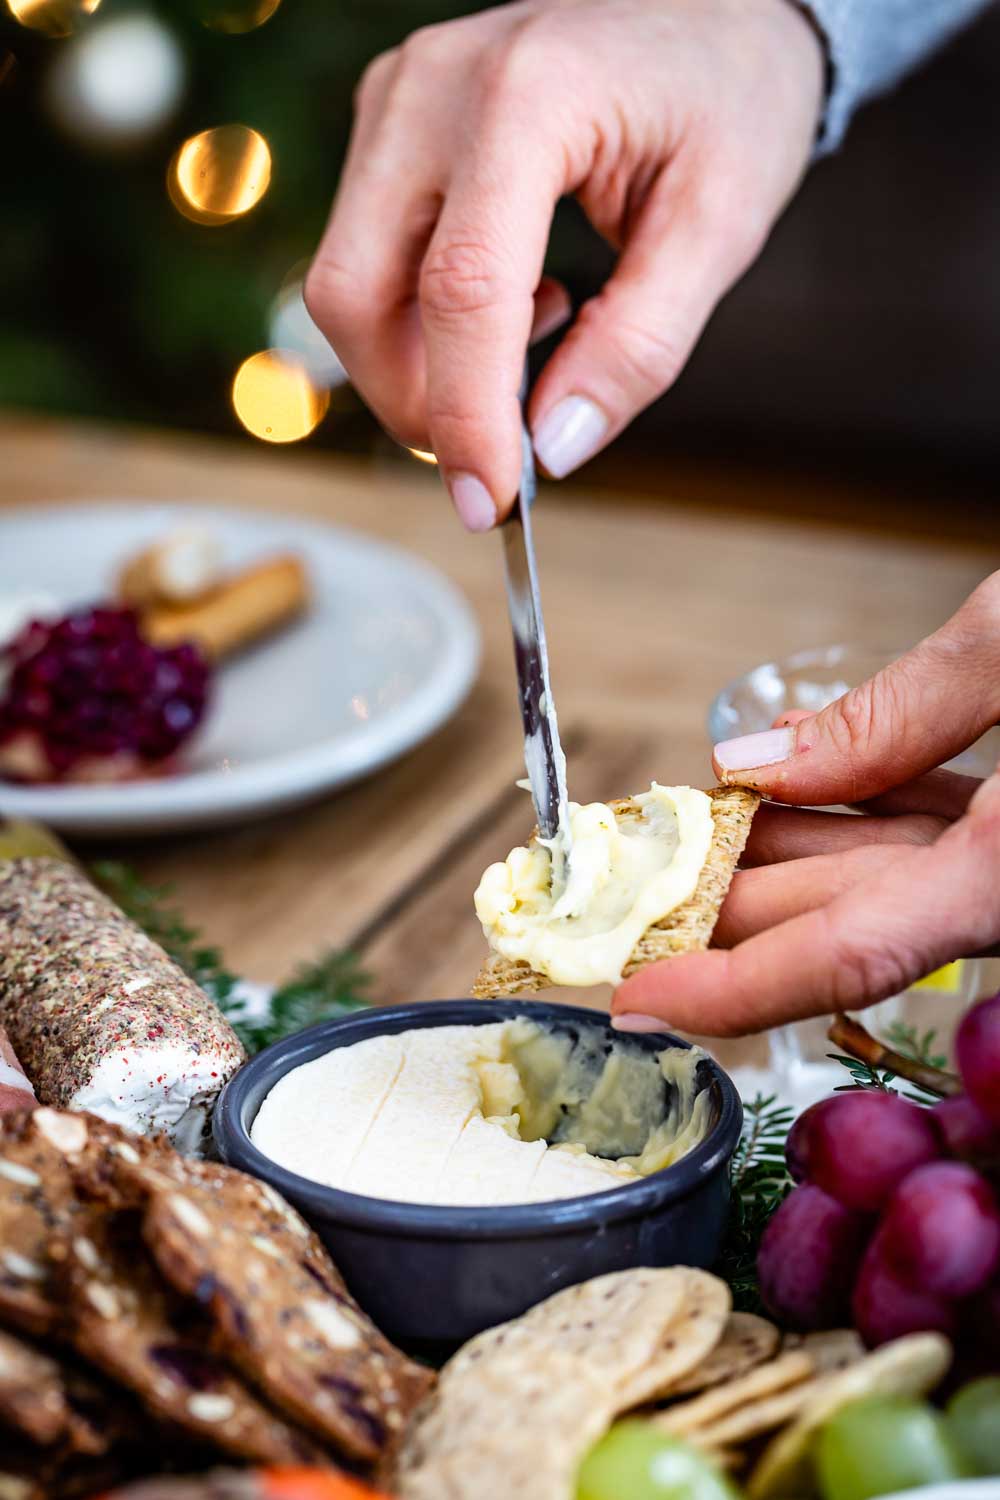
(123, 1319)
(50, 1402)
(687, 929)
(100, 1018)
(278, 1307)
(517, 1408)
(36, 1193)
(910, 1366)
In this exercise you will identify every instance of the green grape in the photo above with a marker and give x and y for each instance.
(637, 1462)
(973, 1417)
(885, 1444)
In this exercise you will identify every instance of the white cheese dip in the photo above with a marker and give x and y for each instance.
(506, 1112)
(624, 874)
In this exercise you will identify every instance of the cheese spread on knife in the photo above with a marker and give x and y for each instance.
(506, 1112)
(623, 875)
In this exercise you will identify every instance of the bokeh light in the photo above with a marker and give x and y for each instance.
(234, 17)
(52, 17)
(275, 399)
(219, 174)
(118, 82)
(423, 456)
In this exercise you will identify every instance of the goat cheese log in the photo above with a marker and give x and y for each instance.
(16, 1092)
(99, 1016)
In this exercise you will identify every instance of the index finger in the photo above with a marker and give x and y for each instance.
(926, 907)
(477, 288)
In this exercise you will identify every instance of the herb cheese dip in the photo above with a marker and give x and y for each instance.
(506, 1112)
(574, 907)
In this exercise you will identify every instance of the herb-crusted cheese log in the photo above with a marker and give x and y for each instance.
(100, 1018)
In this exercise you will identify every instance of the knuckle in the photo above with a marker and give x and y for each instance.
(862, 968)
(333, 294)
(646, 357)
(981, 611)
(428, 44)
(462, 276)
(374, 78)
(518, 64)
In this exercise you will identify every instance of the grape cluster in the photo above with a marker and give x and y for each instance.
(894, 1223)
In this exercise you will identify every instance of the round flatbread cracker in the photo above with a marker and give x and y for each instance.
(688, 1340)
(910, 1366)
(747, 1341)
(686, 1417)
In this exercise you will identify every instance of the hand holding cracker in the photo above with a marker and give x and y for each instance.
(839, 912)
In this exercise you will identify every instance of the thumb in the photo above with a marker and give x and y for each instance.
(922, 709)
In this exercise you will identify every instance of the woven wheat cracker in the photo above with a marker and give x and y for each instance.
(687, 929)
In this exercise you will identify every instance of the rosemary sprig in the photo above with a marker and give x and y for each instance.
(332, 985)
(876, 1064)
(760, 1183)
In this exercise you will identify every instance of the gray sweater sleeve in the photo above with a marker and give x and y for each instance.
(871, 44)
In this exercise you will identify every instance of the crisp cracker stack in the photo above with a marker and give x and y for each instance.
(687, 929)
(661, 1344)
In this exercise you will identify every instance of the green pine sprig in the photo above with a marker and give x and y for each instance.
(902, 1038)
(760, 1183)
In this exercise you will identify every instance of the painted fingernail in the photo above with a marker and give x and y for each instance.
(633, 1021)
(473, 502)
(753, 750)
(569, 434)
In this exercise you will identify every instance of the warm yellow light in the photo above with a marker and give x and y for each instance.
(237, 16)
(219, 174)
(53, 17)
(275, 399)
(422, 455)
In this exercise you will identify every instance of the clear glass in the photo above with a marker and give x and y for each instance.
(792, 1061)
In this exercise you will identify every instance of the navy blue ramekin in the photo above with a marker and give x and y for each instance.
(433, 1276)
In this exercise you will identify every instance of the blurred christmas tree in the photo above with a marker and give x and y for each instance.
(115, 303)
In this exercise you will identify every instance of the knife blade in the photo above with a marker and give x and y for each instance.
(543, 753)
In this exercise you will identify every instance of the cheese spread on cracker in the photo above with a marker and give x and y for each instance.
(506, 1112)
(623, 875)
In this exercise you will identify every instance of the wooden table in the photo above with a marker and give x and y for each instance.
(650, 608)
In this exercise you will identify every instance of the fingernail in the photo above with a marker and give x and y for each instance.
(753, 750)
(633, 1021)
(473, 502)
(569, 434)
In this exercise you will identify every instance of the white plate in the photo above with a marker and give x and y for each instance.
(386, 654)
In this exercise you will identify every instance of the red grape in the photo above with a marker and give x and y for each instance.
(977, 1047)
(808, 1257)
(885, 1308)
(966, 1131)
(941, 1230)
(858, 1146)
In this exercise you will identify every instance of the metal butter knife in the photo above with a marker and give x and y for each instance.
(543, 754)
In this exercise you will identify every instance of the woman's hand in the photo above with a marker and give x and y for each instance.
(682, 126)
(836, 912)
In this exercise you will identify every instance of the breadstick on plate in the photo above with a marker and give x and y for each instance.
(184, 566)
(244, 607)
